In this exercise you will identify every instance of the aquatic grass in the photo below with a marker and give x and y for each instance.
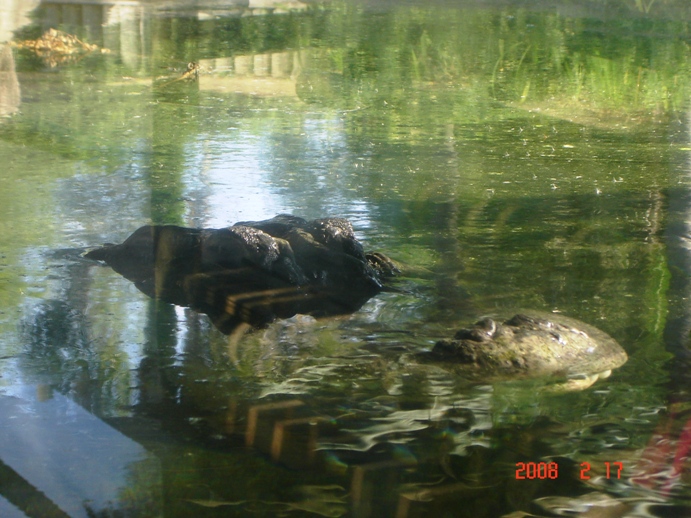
(550, 63)
(644, 6)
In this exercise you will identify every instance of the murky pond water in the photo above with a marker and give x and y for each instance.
(511, 158)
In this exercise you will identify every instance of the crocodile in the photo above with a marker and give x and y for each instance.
(254, 271)
(529, 344)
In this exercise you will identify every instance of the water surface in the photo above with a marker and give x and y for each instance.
(513, 157)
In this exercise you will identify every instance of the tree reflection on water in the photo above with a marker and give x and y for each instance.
(513, 157)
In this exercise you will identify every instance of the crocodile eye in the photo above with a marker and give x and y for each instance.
(487, 326)
(520, 319)
(482, 331)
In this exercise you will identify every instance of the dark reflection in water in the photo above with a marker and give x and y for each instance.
(511, 157)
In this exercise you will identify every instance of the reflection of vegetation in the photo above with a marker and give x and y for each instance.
(423, 84)
(669, 8)
(416, 69)
(418, 123)
(406, 57)
(510, 56)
